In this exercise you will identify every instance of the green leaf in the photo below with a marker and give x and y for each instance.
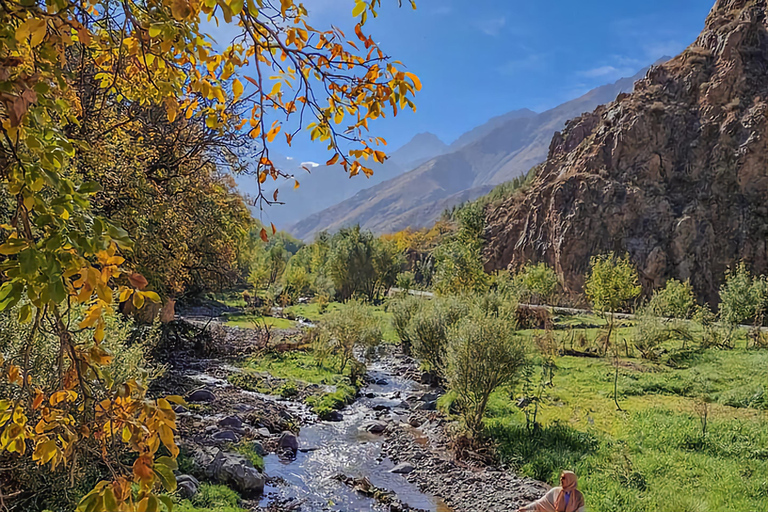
(28, 262)
(25, 313)
(236, 6)
(89, 187)
(168, 461)
(155, 30)
(166, 476)
(167, 501)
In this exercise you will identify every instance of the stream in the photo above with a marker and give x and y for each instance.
(327, 449)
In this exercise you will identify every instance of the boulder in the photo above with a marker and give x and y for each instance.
(237, 472)
(201, 395)
(374, 426)
(403, 468)
(258, 448)
(288, 442)
(187, 486)
(226, 436)
(231, 422)
(334, 416)
(427, 406)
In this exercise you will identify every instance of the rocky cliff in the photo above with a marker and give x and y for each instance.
(675, 173)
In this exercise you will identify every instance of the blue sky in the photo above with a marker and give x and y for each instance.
(481, 58)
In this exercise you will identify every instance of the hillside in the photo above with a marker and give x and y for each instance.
(502, 149)
(673, 174)
(323, 186)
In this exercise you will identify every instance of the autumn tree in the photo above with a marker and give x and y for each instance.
(64, 263)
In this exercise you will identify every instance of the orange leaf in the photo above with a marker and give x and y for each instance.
(138, 281)
(263, 235)
(273, 228)
(296, 185)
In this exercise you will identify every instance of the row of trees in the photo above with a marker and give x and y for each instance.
(351, 263)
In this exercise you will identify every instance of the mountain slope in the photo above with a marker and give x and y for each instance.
(500, 150)
(323, 186)
(673, 174)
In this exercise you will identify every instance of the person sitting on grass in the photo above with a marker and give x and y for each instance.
(566, 498)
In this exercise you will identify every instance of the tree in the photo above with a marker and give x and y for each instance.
(428, 329)
(743, 297)
(63, 261)
(536, 283)
(350, 326)
(484, 352)
(611, 282)
(675, 300)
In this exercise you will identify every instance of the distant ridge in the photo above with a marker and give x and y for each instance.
(502, 149)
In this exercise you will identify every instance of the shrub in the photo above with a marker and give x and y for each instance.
(402, 310)
(536, 283)
(406, 281)
(428, 329)
(484, 352)
(611, 282)
(675, 300)
(342, 330)
(743, 298)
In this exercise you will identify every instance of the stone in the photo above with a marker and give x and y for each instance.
(374, 426)
(201, 395)
(235, 471)
(264, 432)
(179, 409)
(226, 436)
(403, 468)
(187, 486)
(427, 406)
(258, 448)
(334, 416)
(288, 441)
(231, 422)
(382, 382)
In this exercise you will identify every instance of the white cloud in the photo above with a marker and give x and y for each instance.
(609, 72)
(491, 27)
(289, 158)
(310, 164)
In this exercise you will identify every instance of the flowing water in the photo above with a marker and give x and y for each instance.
(327, 449)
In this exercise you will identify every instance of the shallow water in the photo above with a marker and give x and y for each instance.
(332, 448)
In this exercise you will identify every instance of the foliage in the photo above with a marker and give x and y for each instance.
(743, 298)
(675, 300)
(484, 352)
(536, 283)
(611, 282)
(359, 263)
(74, 74)
(211, 498)
(458, 262)
(402, 310)
(247, 450)
(350, 326)
(428, 329)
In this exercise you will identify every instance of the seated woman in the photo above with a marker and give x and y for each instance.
(566, 498)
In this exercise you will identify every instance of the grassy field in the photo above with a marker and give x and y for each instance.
(653, 455)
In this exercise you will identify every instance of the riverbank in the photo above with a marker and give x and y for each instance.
(307, 464)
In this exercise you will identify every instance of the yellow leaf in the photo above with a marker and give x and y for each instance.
(296, 184)
(237, 88)
(359, 8)
(416, 81)
(138, 300)
(154, 297)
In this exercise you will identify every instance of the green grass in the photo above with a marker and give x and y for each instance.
(245, 448)
(250, 321)
(298, 368)
(211, 498)
(311, 312)
(652, 456)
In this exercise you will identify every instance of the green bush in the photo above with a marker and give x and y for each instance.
(743, 298)
(483, 353)
(536, 283)
(675, 300)
(211, 498)
(403, 309)
(342, 330)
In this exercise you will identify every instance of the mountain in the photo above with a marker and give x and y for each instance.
(501, 149)
(322, 186)
(674, 174)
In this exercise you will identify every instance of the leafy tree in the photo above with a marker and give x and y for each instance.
(536, 283)
(484, 352)
(360, 263)
(675, 300)
(64, 264)
(743, 297)
(402, 309)
(428, 329)
(350, 326)
(458, 269)
(611, 282)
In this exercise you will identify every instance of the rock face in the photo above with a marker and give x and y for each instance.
(675, 174)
